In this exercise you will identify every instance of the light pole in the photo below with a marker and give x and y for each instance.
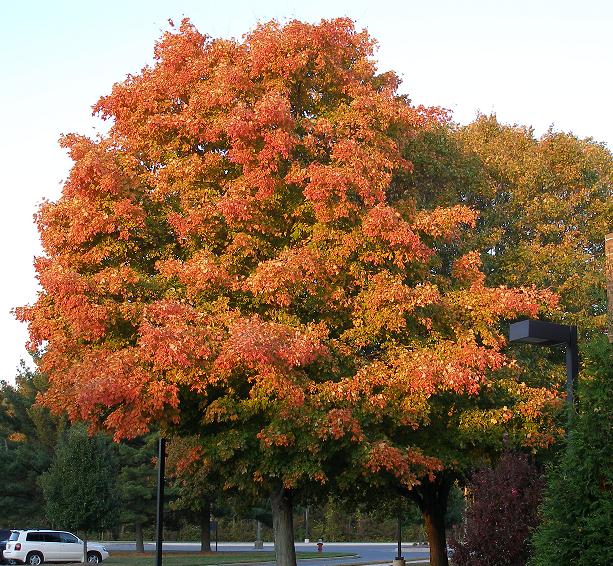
(542, 333)
(258, 534)
(160, 507)
(399, 560)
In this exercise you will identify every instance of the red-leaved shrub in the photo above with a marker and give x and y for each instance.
(500, 514)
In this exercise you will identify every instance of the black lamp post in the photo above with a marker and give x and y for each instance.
(160, 501)
(399, 559)
(542, 333)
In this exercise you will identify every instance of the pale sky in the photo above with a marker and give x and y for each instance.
(533, 62)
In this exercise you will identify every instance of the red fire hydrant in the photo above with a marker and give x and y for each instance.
(320, 545)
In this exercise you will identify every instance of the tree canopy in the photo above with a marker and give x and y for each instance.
(237, 258)
(546, 204)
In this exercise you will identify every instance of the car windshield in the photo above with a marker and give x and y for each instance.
(14, 535)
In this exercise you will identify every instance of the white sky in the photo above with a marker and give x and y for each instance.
(535, 62)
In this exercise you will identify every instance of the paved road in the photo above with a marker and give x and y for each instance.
(366, 553)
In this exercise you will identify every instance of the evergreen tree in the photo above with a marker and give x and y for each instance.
(80, 487)
(137, 482)
(577, 511)
(28, 435)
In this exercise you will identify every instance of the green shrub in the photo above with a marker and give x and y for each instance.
(577, 511)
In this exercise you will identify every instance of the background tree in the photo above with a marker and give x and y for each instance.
(80, 486)
(195, 489)
(577, 511)
(231, 261)
(136, 484)
(544, 206)
(28, 436)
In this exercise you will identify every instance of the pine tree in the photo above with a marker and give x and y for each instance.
(137, 484)
(80, 486)
(577, 511)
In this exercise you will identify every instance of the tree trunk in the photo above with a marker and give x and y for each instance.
(434, 523)
(138, 536)
(283, 526)
(431, 498)
(205, 526)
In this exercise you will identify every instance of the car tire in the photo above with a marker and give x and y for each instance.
(34, 559)
(93, 558)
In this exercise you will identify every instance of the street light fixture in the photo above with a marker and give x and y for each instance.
(543, 333)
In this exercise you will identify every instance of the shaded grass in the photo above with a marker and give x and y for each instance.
(208, 558)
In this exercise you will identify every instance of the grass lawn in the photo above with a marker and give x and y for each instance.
(207, 558)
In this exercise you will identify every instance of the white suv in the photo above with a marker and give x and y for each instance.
(35, 547)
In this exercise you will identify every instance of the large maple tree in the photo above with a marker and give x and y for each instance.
(237, 257)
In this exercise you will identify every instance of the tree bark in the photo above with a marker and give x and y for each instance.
(431, 498)
(283, 526)
(205, 526)
(434, 523)
(138, 535)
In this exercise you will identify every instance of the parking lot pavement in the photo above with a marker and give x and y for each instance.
(366, 554)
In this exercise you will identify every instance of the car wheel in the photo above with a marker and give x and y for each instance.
(34, 559)
(93, 558)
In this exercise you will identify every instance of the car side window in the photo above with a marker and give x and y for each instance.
(35, 537)
(14, 535)
(67, 537)
(52, 537)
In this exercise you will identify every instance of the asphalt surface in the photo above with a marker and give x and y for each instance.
(366, 553)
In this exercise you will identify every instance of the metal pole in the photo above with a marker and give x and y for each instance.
(306, 524)
(399, 530)
(160, 510)
(258, 534)
(572, 365)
